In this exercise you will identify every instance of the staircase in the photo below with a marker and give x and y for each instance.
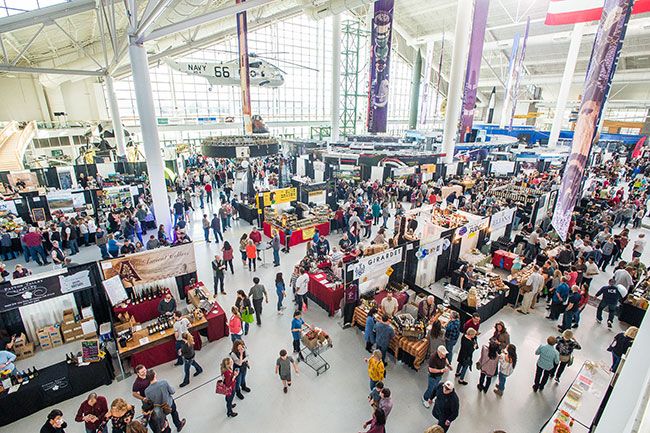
(13, 143)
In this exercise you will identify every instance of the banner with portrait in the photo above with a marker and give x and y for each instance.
(277, 196)
(380, 46)
(602, 66)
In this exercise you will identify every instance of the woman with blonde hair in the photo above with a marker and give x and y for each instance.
(121, 414)
(229, 380)
(435, 429)
(376, 369)
(187, 353)
(621, 344)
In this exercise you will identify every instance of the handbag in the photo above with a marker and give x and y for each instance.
(222, 388)
(247, 316)
(166, 409)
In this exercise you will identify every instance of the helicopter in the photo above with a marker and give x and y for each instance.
(262, 72)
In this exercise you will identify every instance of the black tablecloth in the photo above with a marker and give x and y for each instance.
(247, 213)
(487, 310)
(53, 385)
(630, 314)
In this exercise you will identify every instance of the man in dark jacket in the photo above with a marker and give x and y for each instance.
(446, 407)
(611, 295)
(215, 224)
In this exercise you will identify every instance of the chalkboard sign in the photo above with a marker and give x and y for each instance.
(90, 350)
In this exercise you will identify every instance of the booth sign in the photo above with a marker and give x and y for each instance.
(377, 261)
(501, 219)
(284, 195)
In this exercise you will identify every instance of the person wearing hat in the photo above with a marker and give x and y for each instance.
(438, 365)
(447, 405)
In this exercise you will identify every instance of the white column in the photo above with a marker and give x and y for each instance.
(147, 114)
(457, 77)
(565, 85)
(115, 117)
(336, 75)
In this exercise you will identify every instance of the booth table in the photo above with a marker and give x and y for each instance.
(631, 314)
(503, 259)
(486, 310)
(159, 348)
(141, 312)
(216, 317)
(297, 236)
(326, 296)
(247, 213)
(54, 384)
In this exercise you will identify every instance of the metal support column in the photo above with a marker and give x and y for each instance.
(457, 77)
(115, 117)
(149, 128)
(415, 90)
(351, 42)
(336, 75)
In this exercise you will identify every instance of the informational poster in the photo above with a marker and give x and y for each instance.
(152, 265)
(380, 47)
(78, 199)
(8, 206)
(115, 290)
(602, 66)
(61, 200)
(40, 289)
(277, 196)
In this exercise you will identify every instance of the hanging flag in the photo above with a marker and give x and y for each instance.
(503, 121)
(519, 70)
(380, 44)
(562, 12)
(244, 70)
(637, 149)
(602, 65)
(479, 22)
(491, 104)
(426, 89)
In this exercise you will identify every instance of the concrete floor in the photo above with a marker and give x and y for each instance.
(336, 401)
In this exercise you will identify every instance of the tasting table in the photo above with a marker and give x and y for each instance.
(53, 385)
(325, 293)
(159, 348)
(217, 321)
(141, 312)
(297, 236)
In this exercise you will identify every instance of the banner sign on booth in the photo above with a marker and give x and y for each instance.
(17, 294)
(502, 218)
(604, 58)
(152, 265)
(377, 261)
(473, 66)
(284, 195)
(61, 200)
(470, 229)
(380, 45)
(8, 206)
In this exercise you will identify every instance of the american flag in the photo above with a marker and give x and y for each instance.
(562, 12)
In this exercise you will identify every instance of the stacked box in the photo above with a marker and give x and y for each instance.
(44, 338)
(68, 316)
(19, 342)
(71, 331)
(26, 351)
(88, 328)
(55, 336)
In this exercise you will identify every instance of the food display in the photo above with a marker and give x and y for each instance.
(368, 304)
(447, 218)
(518, 194)
(316, 338)
(407, 326)
(318, 215)
(475, 258)
(640, 296)
(522, 275)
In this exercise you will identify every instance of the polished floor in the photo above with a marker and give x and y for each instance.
(336, 401)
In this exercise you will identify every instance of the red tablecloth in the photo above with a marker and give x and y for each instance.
(142, 312)
(162, 353)
(402, 298)
(217, 323)
(503, 259)
(329, 297)
(296, 235)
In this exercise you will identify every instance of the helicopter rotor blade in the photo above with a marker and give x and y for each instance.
(298, 65)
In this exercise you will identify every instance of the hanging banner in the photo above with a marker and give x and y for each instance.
(473, 66)
(383, 260)
(519, 70)
(502, 218)
(380, 45)
(491, 104)
(284, 195)
(152, 265)
(426, 89)
(27, 291)
(637, 148)
(244, 70)
(604, 58)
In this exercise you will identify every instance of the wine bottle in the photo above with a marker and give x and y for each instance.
(149, 294)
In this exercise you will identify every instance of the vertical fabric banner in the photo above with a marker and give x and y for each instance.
(491, 104)
(602, 65)
(426, 89)
(511, 68)
(380, 45)
(473, 66)
(442, 52)
(519, 70)
(244, 71)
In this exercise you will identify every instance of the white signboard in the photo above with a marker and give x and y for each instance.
(114, 289)
(502, 218)
(8, 206)
(470, 229)
(378, 261)
(77, 281)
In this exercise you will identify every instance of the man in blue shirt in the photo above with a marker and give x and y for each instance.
(7, 361)
(296, 327)
(559, 299)
(611, 295)
(571, 309)
(383, 334)
(452, 333)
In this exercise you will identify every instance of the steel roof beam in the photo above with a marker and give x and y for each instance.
(29, 70)
(45, 15)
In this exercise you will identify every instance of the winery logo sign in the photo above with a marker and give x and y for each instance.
(379, 261)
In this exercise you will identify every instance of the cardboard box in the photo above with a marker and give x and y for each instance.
(20, 341)
(45, 346)
(87, 313)
(68, 316)
(89, 327)
(26, 351)
(57, 343)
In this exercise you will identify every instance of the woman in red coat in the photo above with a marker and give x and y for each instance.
(229, 377)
